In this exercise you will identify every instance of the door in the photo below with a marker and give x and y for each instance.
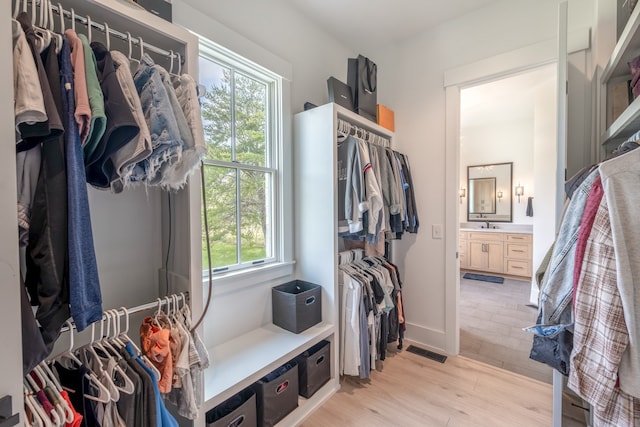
(477, 255)
(495, 256)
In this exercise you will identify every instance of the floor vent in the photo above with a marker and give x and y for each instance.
(426, 353)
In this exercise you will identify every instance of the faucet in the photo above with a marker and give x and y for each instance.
(488, 224)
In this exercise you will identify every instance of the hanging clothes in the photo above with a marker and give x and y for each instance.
(47, 276)
(84, 284)
(163, 127)
(82, 111)
(138, 149)
(98, 118)
(121, 126)
(371, 314)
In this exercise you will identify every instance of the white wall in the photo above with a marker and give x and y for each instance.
(411, 83)
(416, 69)
(273, 35)
(501, 142)
(276, 27)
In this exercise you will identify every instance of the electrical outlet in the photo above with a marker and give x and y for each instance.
(436, 231)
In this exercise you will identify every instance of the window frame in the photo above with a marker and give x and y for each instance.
(274, 136)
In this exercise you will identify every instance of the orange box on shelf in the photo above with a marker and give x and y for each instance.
(385, 117)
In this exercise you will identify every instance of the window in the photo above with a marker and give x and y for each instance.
(241, 117)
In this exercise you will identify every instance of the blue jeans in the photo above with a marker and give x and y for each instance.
(84, 285)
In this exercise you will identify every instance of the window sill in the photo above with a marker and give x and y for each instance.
(237, 280)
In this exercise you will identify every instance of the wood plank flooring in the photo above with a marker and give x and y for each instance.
(491, 320)
(415, 391)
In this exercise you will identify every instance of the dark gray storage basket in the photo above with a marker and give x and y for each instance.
(276, 397)
(296, 305)
(237, 411)
(314, 368)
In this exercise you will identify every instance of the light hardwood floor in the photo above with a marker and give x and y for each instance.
(412, 390)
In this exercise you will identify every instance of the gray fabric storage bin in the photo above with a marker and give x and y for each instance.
(296, 305)
(314, 368)
(276, 394)
(237, 411)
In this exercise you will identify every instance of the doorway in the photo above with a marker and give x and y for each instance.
(511, 119)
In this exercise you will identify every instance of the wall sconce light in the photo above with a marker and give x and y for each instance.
(499, 195)
(519, 191)
(462, 193)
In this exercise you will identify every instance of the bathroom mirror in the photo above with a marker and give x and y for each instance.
(489, 192)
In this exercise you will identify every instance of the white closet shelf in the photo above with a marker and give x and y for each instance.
(238, 363)
(627, 47)
(624, 126)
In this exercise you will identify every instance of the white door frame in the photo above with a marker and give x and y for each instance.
(485, 70)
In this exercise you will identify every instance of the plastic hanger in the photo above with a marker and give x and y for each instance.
(28, 402)
(179, 64)
(102, 373)
(51, 27)
(61, 12)
(73, 20)
(144, 358)
(46, 382)
(89, 31)
(16, 9)
(39, 416)
(107, 35)
(44, 37)
(130, 48)
(53, 382)
(141, 48)
(54, 417)
(118, 339)
(128, 387)
(103, 393)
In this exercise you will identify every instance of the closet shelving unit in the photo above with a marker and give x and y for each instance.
(137, 231)
(627, 48)
(316, 207)
(238, 363)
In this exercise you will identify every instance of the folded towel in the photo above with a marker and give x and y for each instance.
(530, 206)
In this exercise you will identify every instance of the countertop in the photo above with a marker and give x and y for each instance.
(511, 230)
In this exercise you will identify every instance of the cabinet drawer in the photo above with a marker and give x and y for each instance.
(522, 238)
(487, 237)
(517, 267)
(519, 251)
(464, 235)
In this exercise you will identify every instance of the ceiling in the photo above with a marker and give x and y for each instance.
(367, 24)
(508, 99)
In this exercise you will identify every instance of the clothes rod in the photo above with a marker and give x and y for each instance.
(184, 296)
(346, 127)
(123, 36)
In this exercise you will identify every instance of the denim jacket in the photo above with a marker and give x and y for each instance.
(557, 285)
